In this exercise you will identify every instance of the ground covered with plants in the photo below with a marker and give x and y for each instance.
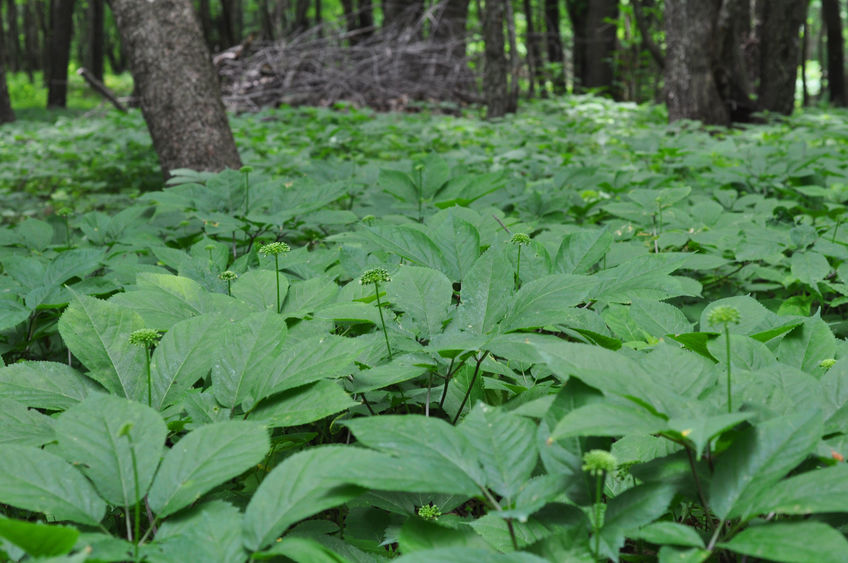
(575, 334)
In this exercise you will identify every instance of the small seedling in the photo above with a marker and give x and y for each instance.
(228, 276)
(724, 315)
(519, 239)
(598, 463)
(376, 276)
(246, 170)
(146, 337)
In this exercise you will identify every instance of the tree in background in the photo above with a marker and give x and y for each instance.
(495, 71)
(61, 29)
(535, 71)
(777, 27)
(835, 52)
(594, 24)
(176, 84)
(6, 113)
(553, 41)
(691, 90)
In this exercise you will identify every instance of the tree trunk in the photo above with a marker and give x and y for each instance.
(534, 52)
(301, 11)
(731, 70)
(203, 11)
(835, 52)
(691, 92)
(449, 27)
(32, 44)
(553, 38)
(176, 85)
(60, 53)
(495, 65)
(512, 105)
(779, 24)
(96, 48)
(366, 18)
(402, 13)
(645, 32)
(13, 38)
(6, 113)
(593, 50)
(42, 12)
(230, 23)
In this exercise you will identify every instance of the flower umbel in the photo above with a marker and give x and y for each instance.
(375, 276)
(598, 461)
(723, 315)
(429, 512)
(520, 238)
(228, 275)
(827, 363)
(274, 248)
(144, 337)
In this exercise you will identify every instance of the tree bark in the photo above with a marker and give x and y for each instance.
(230, 22)
(553, 39)
(60, 53)
(176, 85)
(691, 91)
(779, 24)
(731, 70)
(495, 64)
(203, 11)
(835, 52)
(97, 41)
(514, 62)
(13, 37)
(593, 50)
(6, 113)
(301, 21)
(645, 32)
(449, 27)
(534, 52)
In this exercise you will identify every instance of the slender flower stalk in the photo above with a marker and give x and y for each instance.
(375, 276)
(146, 337)
(64, 213)
(724, 315)
(519, 239)
(246, 170)
(598, 463)
(125, 431)
(228, 276)
(275, 249)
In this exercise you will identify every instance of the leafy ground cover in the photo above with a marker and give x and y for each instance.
(575, 334)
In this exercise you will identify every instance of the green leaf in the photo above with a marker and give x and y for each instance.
(246, 350)
(645, 277)
(658, 318)
(398, 184)
(304, 484)
(631, 510)
(402, 368)
(259, 288)
(417, 534)
(208, 532)
(12, 314)
(90, 437)
(98, 334)
(457, 239)
(185, 354)
(203, 459)
(506, 446)
(581, 250)
(545, 300)
(467, 555)
(607, 419)
(44, 385)
(426, 441)
(669, 533)
(809, 267)
(39, 540)
(35, 480)
(818, 490)
(795, 542)
(807, 345)
(411, 243)
(306, 297)
(302, 405)
(760, 456)
(22, 426)
(300, 550)
(701, 429)
(424, 295)
(486, 293)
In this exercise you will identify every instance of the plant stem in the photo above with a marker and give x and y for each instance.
(470, 386)
(727, 352)
(277, 274)
(137, 533)
(149, 381)
(596, 524)
(229, 291)
(382, 321)
(512, 534)
(835, 230)
(246, 194)
(447, 380)
(518, 269)
(701, 496)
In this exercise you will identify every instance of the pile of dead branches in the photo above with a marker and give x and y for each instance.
(384, 69)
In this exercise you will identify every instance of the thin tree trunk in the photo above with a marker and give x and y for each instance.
(6, 113)
(600, 49)
(805, 92)
(495, 65)
(645, 32)
(366, 18)
(203, 11)
(835, 52)
(514, 61)
(553, 39)
(60, 53)
(301, 21)
(449, 27)
(96, 47)
(176, 84)
(534, 54)
(691, 90)
(779, 43)
(13, 37)
(319, 18)
(32, 43)
(730, 63)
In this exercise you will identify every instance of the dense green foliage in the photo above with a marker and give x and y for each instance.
(577, 333)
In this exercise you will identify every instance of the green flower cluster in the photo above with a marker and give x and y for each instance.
(375, 275)
(144, 337)
(724, 315)
(599, 461)
(274, 248)
(520, 238)
(429, 512)
(228, 275)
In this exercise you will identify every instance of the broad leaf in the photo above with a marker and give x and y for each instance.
(22, 426)
(791, 542)
(818, 490)
(424, 295)
(39, 540)
(631, 510)
(302, 405)
(203, 459)
(45, 385)
(486, 293)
